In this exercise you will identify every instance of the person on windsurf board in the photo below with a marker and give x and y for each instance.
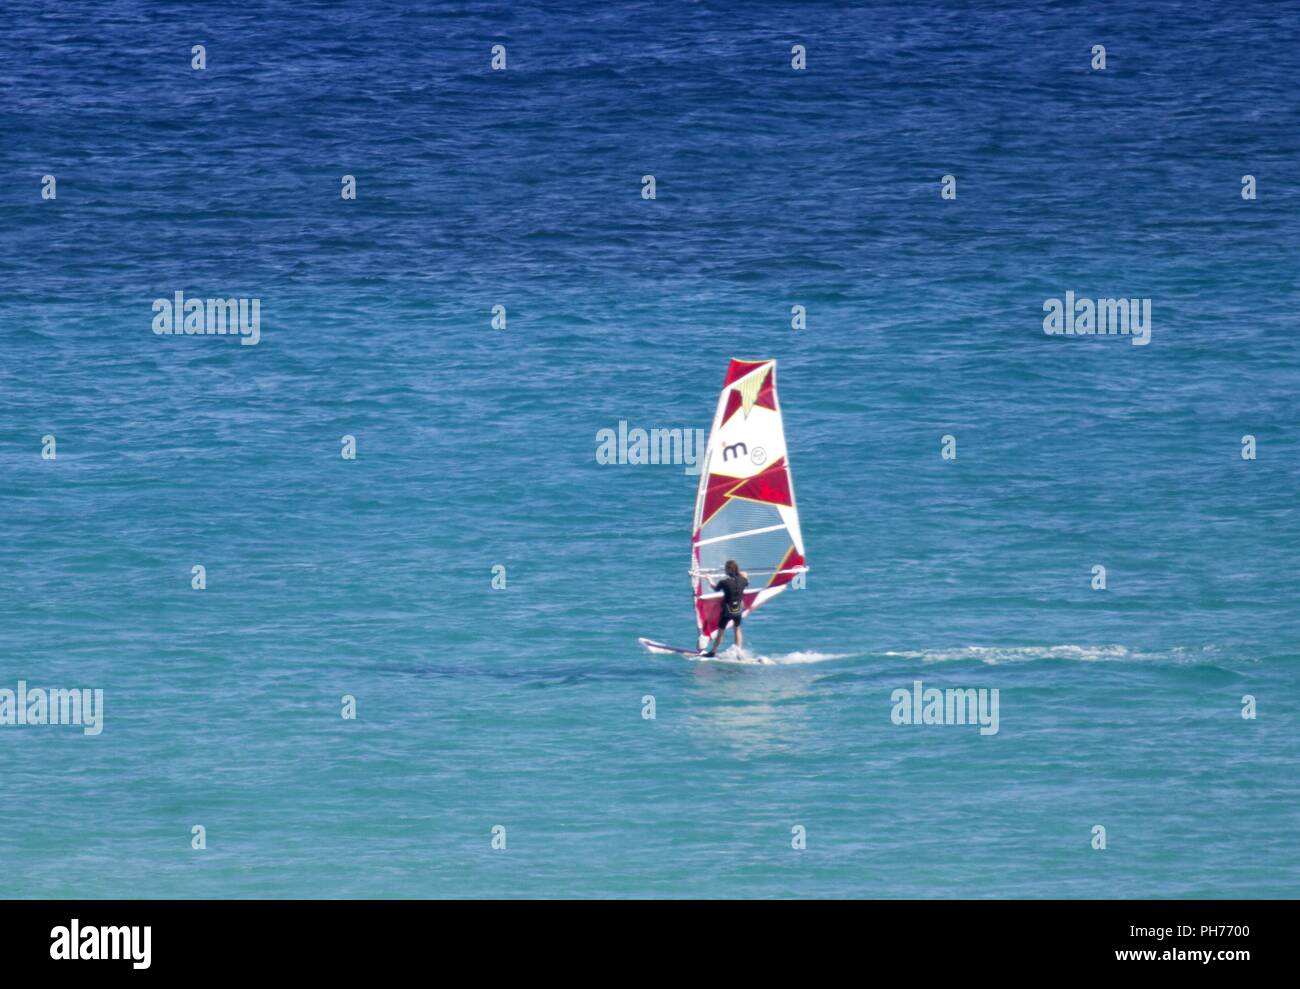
(745, 489)
(732, 587)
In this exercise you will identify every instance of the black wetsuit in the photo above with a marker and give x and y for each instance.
(733, 599)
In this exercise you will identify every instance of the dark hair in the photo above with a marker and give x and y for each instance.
(732, 568)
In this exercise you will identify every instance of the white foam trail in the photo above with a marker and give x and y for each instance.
(810, 656)
(994, 655)
(799, 658)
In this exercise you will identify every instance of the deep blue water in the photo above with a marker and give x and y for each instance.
(521, 706)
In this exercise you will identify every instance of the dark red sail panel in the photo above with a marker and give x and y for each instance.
(771, 485)
(738, 369)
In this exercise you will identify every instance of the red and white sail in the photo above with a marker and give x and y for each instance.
(744, 508)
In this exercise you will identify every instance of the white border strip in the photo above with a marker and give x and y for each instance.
(741, 535)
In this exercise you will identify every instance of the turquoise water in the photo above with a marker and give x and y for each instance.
(522, 706)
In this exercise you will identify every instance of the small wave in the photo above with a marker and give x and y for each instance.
(993, 655)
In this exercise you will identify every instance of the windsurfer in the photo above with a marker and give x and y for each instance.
(732, 587)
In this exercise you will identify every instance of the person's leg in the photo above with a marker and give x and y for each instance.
(722, 633)
(715, 640)
(740, 637)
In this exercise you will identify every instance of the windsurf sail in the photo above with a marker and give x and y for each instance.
(744, 508)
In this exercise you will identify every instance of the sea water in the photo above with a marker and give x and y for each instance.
(471, 583)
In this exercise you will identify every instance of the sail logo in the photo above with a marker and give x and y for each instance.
(924, 705)
(653, 446)
(56, 706)
(180, 316)
(1099, 317)
(77, 943)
